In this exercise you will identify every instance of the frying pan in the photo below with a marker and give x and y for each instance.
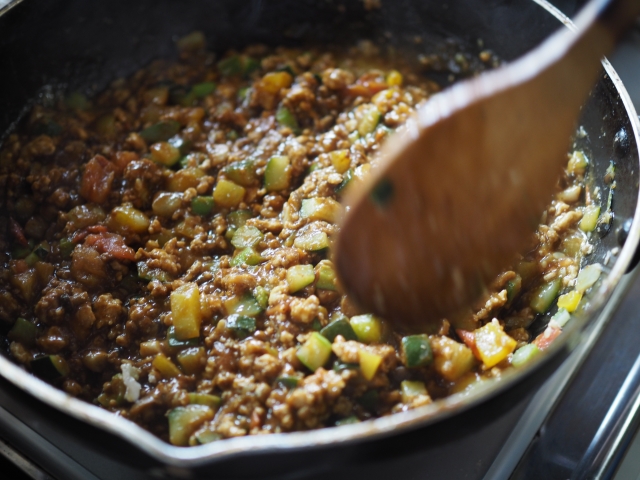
(77, 45)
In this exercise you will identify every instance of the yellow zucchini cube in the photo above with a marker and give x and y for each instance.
(165, 366)
(369, 363)
(228, 194)
(185, 310)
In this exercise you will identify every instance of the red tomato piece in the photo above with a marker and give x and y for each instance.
(97, 179)
(547, 337)
(111, 244)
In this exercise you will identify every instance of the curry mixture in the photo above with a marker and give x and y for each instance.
(165, 249)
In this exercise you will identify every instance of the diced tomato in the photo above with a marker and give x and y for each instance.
(111, 244)
(547, 337)
(469, 339)
(97, 179)
(16, 232)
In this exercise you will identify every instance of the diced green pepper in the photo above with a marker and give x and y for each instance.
(246, 256)
(326, 276)
(299, 276)
(285, 118)
(203, 89)
(416, 351)
(24, 332)
(173, 341)
(339, 327)
(241, 325)
(277, 173)
(242, 172)
(315, 352)
(160, 132)
(202, 205)
(524, 354)
(316, 325)
(246, 236)
(49, 367)
(367, 327)
(544, 296)
(246, 304)
(287, 381)
(184, 421)
(212, 401)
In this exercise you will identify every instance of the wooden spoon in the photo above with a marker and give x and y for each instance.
(460, 191)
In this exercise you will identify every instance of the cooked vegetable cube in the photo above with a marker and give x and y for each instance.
(369, 120)
(188, 177)
(325, 276)
(160, 132)
(202, 205)
(513, 288)
(203, 89)
(411, 389)
(368, 328)
(569, 301)
(203, 437)
(416, 351)
(185, 310)
(165, 366)
(212, 401)
(312, 241)
(184, 421)
(346, 179)
(246, 236)
(277, 173)
(165, 153)
(126, 218)
(242, 172)
(261, 295)
(544, 296)
(340, 160)
(561, 318)
(394, 78)
(245, 304)
(49, 367)
(340, 326)
(24, 332)
(241, 325)
(450, 358)
(524, 354)
(315, 352)
(273, 82)
(173, 342)
(287, 119)
(589, 218)
(587, 277)
(192, 360)
(236, 220)
(299, 276)
(228, 194)
(318, 208)
(493, 344)
(369, 363)
(246, 256)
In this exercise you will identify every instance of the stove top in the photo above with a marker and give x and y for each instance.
(581, 424)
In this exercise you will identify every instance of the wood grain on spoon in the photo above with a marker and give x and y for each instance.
(460, 191)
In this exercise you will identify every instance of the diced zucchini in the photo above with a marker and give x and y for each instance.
(228, 194)
(287, 119)
(192, 360)
(368, 328)
(183, 146)
(325, 209)
(164, 153)
(339, 366)
(350, 420)
(155, 274)
(166, 203)
(346, 179)
(184, 421)
(236, 220)
(287, 381)
(560, 318)
(369, 363)
(493, 344)
(211, 401)
(315, 352)
(577, 163)
(411, 389)
(126, 218)
(513, 288)
(24, 332)
(369, 120)
(160, 132)
(527, 271)
(544, 296)
(339, 327)
(587, 277)
(188, 177)
(325, 276)
(277, 173)
(207, 436)
(165, 366)
(246, 236)
(202, 205)
(312, 241)
(31, 259)
(340, 160)
(49, 367)
(246, 256)
(261, 294)
(245, 304)
(299, 276)
(185, 310)
(65, 246)
(173, 341)
(242, 172)
(589, 218)
(203, 89)
(524, 354)
(569, 301)
(416, 351)
(241, 325)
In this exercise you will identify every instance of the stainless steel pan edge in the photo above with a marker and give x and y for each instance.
(438, 411)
